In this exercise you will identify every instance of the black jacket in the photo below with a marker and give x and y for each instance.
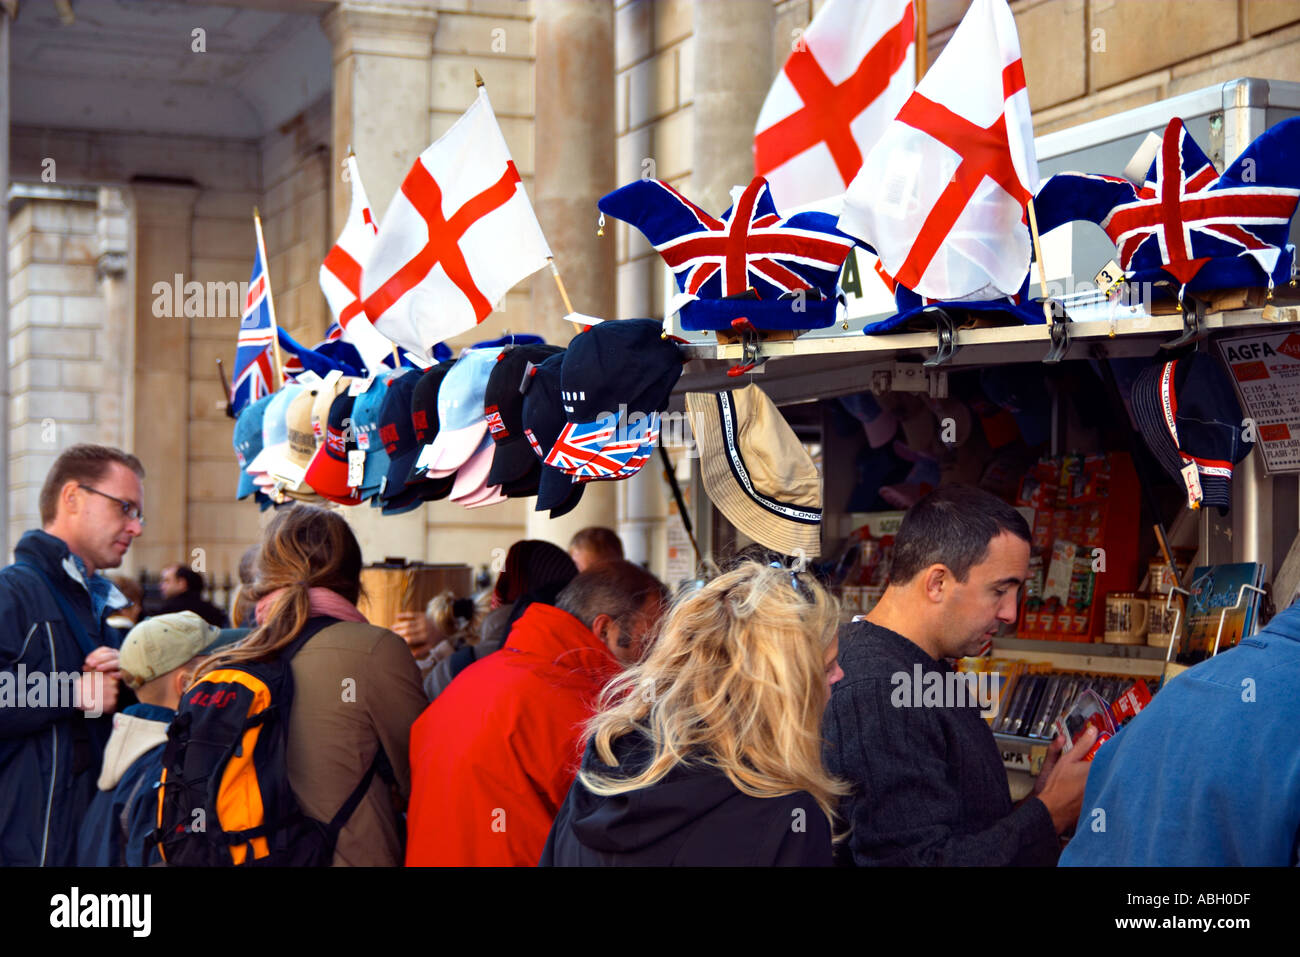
(928, 783)
(191, 601)
(694, 816)
(49, 756)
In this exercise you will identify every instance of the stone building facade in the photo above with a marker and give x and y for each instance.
(155, 180)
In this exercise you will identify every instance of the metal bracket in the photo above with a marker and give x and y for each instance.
(1060, 334)
(1193, 323)
(750, 359)
(947, 329)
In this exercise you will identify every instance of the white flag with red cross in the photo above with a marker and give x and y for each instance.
(340, 276)
(459, 233)
(849, 73)
(942, 196)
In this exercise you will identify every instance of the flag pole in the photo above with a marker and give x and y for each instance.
(270, 302)
(564, 294)
(1038, 255)
(922, 41)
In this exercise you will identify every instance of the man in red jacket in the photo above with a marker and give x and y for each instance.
(494, 755)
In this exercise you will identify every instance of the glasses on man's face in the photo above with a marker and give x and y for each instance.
(130, 510)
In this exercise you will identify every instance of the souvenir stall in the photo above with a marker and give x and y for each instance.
(1144, 425)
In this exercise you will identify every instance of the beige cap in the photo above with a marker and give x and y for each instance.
(756, 471)
(163, 643)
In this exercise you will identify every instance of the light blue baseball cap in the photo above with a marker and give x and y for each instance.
(275, 430)
(460, 411)
(365, 425)
(247, 441)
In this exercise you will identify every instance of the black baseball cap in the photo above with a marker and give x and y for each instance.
(613, 372)
(424, 412)
(397, 432)
(503, 407)
(543, 421)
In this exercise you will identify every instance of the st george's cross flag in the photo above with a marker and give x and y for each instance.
(847, 77)
(942, 196)
(340, 276)
(459, 233)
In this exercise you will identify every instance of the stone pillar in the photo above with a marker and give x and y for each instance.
(381, 94)
(574, 165)
(164, 215)
(112, 256)
(733, 73)
(381, 110)
(4, 283)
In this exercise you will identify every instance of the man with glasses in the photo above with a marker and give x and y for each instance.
(58, 658)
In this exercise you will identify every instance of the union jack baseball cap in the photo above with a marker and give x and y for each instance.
(543, 422)
(424, 415)
(365, 426)
(327, 472)
(503, 410)
(615, 380)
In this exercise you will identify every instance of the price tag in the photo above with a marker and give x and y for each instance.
(360, 386)
(1109, 278)
(1192, 479)
(356, 468)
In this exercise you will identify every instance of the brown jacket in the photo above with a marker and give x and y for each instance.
(356, 687)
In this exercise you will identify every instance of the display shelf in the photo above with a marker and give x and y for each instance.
(1130, 335)
(1091, 649)
(1021, 754)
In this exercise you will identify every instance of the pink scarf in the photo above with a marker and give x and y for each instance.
(323, 602)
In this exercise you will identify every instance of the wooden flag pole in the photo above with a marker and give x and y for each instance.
(270, 302)
(564, 294)
(1038, 255)
(922, 41)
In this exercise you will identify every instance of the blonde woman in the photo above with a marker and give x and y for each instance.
(709, 751)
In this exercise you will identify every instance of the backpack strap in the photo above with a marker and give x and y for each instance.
(74, 622)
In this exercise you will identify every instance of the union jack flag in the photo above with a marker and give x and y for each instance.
(1185, 214)
(750, 246)
(254, 366)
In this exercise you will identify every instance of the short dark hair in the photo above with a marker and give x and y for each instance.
(600, 541)
(952, 526)
(619, 589)
(81, 463)
(193, 580)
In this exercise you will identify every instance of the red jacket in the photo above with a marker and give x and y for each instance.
(493, 756)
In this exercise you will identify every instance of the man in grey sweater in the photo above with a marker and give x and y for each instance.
(928, 783)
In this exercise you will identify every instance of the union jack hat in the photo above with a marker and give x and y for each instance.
(503, 409)
(543, 422)
(615, 380)
(1188, 413)
(792, 263)
(1186, 225)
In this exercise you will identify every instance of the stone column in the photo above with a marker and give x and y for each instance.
(164, 214)
(112, 259)
(733, 73)
(381, 96)
(4, 283)
(574, 165)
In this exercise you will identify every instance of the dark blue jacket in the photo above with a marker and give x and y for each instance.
(125, 810)
(49, 756)
(1208, 774)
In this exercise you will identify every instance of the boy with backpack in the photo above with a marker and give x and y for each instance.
(157, 659)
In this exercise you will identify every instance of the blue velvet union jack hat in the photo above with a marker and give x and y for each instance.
(1020, 308)
(751, 250)
(1187, 225)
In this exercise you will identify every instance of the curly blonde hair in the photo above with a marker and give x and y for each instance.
(735, 681)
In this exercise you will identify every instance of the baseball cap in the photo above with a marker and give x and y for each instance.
(543, 422)
(1188, 413)
(275, 430)
(327, 473)
(397, 431)
(471, 478)
(460, 411)
(292, 466)
(503, 410)
(615, 377)
(163, 643)
(424, 415)
(365, 425)
(247, 441)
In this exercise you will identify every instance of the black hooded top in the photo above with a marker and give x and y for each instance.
(694, 816)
